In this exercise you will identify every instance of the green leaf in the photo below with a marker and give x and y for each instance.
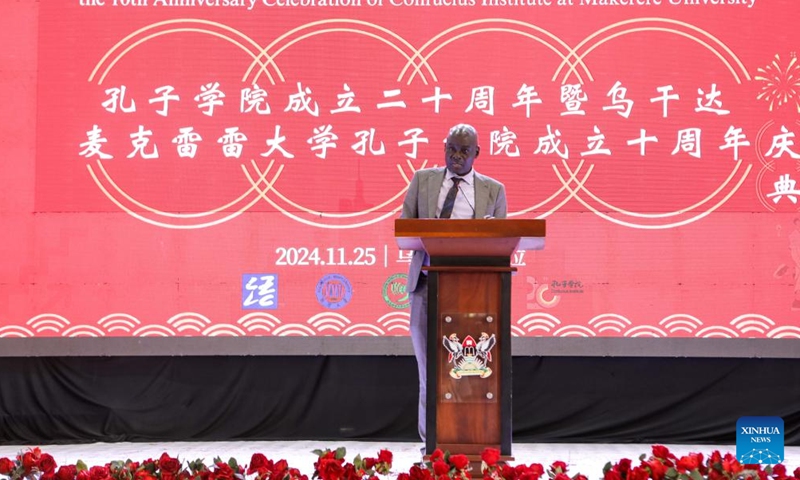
(696, 475)
(80, 466)
(197, 465)
(607, 467)
(340, 453)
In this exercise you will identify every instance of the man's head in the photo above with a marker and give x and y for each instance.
(461, 148)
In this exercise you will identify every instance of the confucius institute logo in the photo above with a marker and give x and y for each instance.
(334, 291)
(394, 291)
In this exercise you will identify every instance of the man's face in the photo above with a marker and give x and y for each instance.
(460, 151)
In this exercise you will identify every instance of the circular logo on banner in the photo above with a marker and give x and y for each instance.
(334, 291)
(394, 291)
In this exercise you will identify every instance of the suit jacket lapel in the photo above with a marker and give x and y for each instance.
(434, 185)
(481, 196)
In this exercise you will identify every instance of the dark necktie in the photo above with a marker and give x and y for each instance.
(450, 199)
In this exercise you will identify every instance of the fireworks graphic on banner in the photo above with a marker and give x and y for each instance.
(781, 84)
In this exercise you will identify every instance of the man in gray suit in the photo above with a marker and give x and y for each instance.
(476, 196)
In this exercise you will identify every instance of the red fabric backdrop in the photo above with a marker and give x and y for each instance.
(659, 142)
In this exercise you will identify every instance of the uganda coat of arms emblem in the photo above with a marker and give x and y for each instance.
(469, 358)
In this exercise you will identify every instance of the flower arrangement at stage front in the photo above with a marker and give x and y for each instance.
(661, 464)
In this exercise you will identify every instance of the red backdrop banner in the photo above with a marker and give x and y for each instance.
(226, 167)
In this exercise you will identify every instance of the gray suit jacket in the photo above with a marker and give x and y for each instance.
(423, 195)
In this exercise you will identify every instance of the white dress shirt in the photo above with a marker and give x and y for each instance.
(465, 200)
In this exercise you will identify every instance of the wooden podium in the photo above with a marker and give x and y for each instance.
(469, 327)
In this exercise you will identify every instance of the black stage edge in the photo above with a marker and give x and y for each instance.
(47, 400)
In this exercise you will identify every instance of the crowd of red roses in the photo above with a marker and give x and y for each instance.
(663, 465)
(33, 464)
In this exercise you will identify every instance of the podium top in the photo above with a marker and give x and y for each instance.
(451, 237)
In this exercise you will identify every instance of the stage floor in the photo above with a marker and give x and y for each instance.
(587, 459)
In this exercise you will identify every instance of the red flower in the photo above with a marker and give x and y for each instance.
(779, 471)
(168, 476)
(99, 473)
(529, 475)
(67, 472)
(437, 455)
(796, 473)
(385, 456)
(440, 468)
(561, 476)
(731, 465)
(260, 464)
(690, 462)
(638, 473)
(294, 474)
(330, 469)
(716, 475)
(662, 452)
(350, 472)
(459, 461)
(6, 465)
(612, 474)
(558, 467)
(657, 469)
(490, 456)
(579, 477)
(29, 461)
(169, 464)
(280, 469)
(623, 466)
(223, 472)
(404, 476)
(508, 472)
(30, 458)
(418, 473)
(47, 464)
(143, 475)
